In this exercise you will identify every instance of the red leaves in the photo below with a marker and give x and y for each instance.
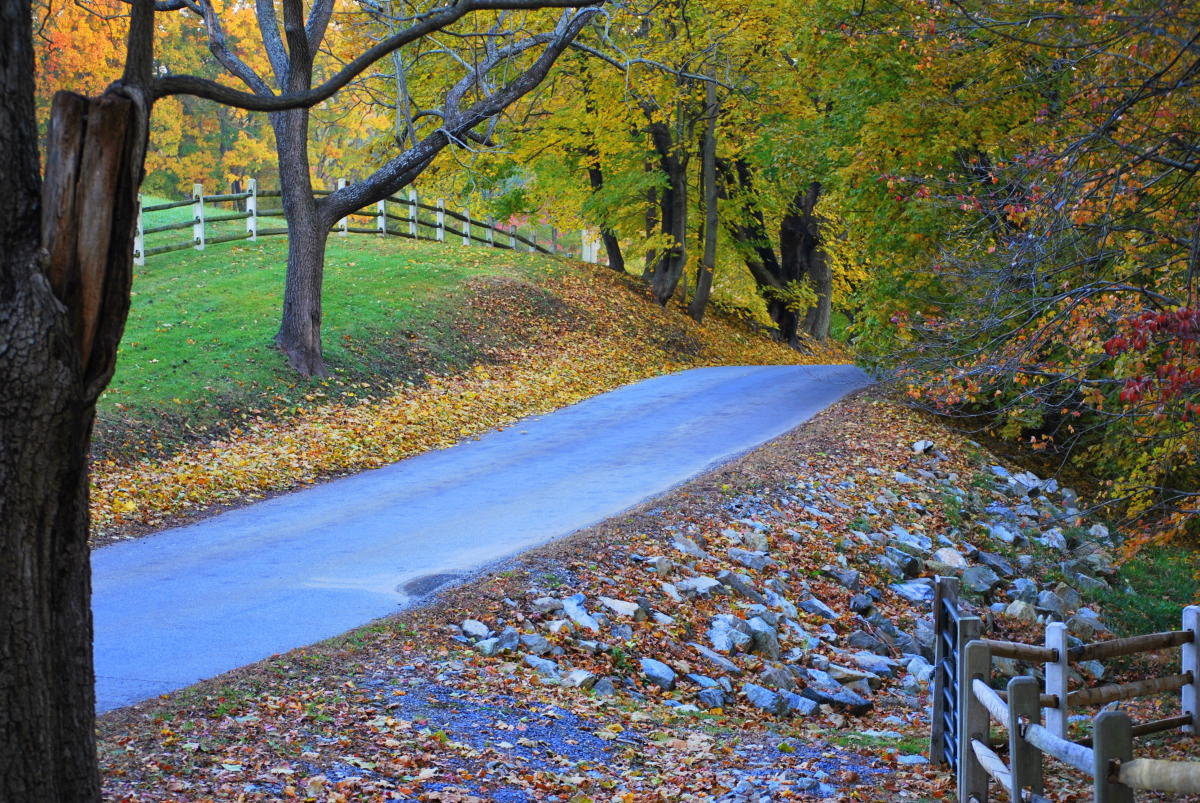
(1171, 340)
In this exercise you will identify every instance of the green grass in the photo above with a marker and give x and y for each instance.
(197, 351)
(1163, 580)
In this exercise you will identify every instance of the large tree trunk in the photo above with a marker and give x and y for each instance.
(673, 214)
(708, 194)
(299, 335)
(806, 258)
(65, 274)
(612, 246)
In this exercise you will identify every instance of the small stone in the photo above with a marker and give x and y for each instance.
(661, 566)
(756, 541)
(741, 584)
(711, 698)
(765, 699)
(620, 607)
(950, 557)
(473, 628)
(542, 666)
(509, 638)
(535, 644)
(843, 576)
(818, 608)
(1092, 669)
(765, 639)
(547, 604)
(861, 604)
(996, 563)
(559, 626)
(671, 591)
(922, 446)
(861, 640)
(573, 607)
(661, 618)
(716, 659)
(916, 591)
(755, 561)
(698, 586)
(903, 478)
(911, 760)
(980, 579)
(604, 687)
(776, 677)
(1050, 602)
(873, 663)
(658, 673)
(488, 647)
(1024, 589)
(689, 547)
(1054, 539)
(1021, 610)
(798, 705)
(580, 679)
(1069, 596)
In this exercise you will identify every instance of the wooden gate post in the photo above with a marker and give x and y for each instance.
(1191, 663)
(252, 209)
(973, 721)
(1024, 759)
(381, 218)
(344, 223)
(412, 212)
(491, 230)
(139, 239)
(198, 217)
(1112, 743)
(441, 221)
(466, 226)
(1057, 672)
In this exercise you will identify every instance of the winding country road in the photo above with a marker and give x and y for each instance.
(190, 603)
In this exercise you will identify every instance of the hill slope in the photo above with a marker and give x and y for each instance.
(428, 344)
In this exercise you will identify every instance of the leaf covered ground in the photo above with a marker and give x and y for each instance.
(536, 344)
(414, 708)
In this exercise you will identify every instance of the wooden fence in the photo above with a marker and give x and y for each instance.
(1106, 756)
(380, 219)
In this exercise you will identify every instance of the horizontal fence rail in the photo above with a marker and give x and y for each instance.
(379, 219)
(1106, 756)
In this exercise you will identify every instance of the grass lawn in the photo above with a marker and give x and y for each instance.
(198, 347)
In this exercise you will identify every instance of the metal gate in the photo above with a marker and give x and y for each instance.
(952, 633)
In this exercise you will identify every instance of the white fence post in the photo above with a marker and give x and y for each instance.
(491, 232)
(412, 212)
(554, 244)
(1191, 663)
(533, 242)
(198, 217)
(139, 239)
(466, 226)
(252, 209)
(975, 661)
(381, 218)
(1057, 673)
(344, 223)
(512, 237)
(1112, 745)
(1024, 758)
(441, 221)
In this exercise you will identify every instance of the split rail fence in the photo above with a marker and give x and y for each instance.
(379, 219)
(966, 705)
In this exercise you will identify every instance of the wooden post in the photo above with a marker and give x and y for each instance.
(554, 242)
(198, 217)
(1057, 673)
(441, 221)
(344, 223)
(1112, 743)
(252, 209)
(975, 662)
(512, 238)
(1191, 663)
(381, 218)
(466, 227)
(491, 230)
(1024, 759)
(412, 212)
(533, 242)
(139, 239)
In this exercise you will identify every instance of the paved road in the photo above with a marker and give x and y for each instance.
(190, 603)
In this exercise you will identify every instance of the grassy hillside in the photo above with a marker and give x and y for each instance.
(428, 344)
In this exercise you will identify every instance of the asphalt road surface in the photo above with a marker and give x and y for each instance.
(190, 603)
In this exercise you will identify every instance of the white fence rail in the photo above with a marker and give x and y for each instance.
(380, 219)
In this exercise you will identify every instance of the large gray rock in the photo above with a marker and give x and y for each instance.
(689, 547)
(536, 644)
(741, 584)
(547, 604)
(604, 687)
(756, 541)
(1049, 602)
(919, 591)
(996, 563)
(843, 576)
(716, 659)
(950, 557)
(755, 561)
(797, 705)
(509, 638)
(620, 607)
(818, 608)
(658, 673)
(1021, 610)
(765, 699)
(580, 679)
(979, 580)
(776, 677)
(862, 640)
(711, 698)
(475, 629)
(698, 586)
(542, 666)
(823, 689)
(765, 639)
(573, 608)
(488, 647)
(728, 633)
(1024, 589)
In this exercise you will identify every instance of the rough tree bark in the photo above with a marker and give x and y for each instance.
(708, 193)
(65, 273)
(668, 270)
